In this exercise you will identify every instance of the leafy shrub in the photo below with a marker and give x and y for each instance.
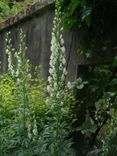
(12, 7)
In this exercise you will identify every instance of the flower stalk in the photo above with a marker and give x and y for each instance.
(57, 127)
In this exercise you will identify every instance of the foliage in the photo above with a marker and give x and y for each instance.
(8, 8)
(22, 105)
(83, 13)
(111, 145)
(55, 135)
(94, 19)
(99, 123)
(28, 125)
(97, 99)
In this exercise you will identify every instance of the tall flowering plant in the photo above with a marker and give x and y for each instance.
(57, 129)
(22, 103)
(57, 69)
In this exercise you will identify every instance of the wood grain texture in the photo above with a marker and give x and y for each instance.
(38, 37)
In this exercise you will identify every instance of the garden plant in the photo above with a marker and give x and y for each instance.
(59, 118)
(35, 121)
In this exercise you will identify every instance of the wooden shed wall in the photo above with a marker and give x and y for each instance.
(37, 22)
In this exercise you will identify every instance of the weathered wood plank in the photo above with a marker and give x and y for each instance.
(38, 37)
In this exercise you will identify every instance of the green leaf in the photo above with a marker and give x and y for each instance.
(86, 15)
(109, 94)
(87, 128)
(74, 5)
